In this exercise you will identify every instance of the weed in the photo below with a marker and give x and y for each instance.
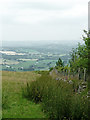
(58, 98)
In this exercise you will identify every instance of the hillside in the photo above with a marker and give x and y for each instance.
(45, 93)
(14, 105)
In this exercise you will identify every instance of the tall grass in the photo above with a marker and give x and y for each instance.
(5, 101)
(79, 108)
(57, 98)
(13, 104)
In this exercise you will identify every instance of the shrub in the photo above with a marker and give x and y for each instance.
(57, 98)
(50, 69)
(79, 107)
(36, 89)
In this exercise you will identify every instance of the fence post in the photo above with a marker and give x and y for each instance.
(73, 73)
(84, 74)
(64, 72)
(79, 76)
(68, 73)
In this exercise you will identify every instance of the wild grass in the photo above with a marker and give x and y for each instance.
(58, 98)
(13, 104)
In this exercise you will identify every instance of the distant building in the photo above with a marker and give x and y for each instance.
(7, 66)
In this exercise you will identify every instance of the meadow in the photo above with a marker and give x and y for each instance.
(14, 105)
(38, 95)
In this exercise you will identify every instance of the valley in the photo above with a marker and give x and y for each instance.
(33, 58)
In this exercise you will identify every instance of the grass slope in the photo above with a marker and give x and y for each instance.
(14, 105)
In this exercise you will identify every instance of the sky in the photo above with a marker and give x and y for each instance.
(49, 20)
(89, 15)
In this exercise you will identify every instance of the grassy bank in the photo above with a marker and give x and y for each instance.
(60, 99)
(38, 95)
(14, 105)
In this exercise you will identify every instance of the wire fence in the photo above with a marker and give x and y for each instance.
(80, 74)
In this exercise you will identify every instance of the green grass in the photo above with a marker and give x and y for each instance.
(14, 105)
(58, 98)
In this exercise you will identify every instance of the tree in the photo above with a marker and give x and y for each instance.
(79, 56)
(60, 63)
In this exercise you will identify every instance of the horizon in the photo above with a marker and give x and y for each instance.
(39, 43)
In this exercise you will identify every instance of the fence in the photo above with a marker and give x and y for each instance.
(80, 74)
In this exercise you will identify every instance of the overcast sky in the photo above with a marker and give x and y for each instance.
(62, 20)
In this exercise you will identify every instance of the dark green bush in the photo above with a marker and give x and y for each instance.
(50, 69)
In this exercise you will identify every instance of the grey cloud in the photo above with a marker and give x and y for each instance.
(53, 28)
(89, 15)
(65, 22)
(39, 5)
(8, 19)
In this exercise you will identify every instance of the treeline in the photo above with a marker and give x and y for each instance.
(78, 64)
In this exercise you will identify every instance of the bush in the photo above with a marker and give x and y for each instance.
(57, 98)
(36, 89)
(79, 108)
(50, 69)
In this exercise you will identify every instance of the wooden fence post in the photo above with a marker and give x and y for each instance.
(68, 73)
(79, 76)
(64, 72)
(84, 74)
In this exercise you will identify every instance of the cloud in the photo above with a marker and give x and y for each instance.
(29, 15)
(89, 15)
(56, 15)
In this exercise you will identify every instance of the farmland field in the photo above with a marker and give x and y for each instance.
(34, 57)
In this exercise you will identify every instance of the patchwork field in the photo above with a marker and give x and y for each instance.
(32, 58)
